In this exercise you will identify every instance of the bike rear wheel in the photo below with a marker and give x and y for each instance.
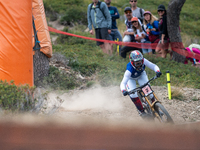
(164, 116)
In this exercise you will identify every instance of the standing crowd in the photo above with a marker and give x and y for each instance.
(141, 27)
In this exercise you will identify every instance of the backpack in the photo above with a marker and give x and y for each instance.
(99, 6)
(141, 18)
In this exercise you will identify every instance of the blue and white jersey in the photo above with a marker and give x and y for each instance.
(131, 72)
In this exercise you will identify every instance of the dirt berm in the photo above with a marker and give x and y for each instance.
(102, 119)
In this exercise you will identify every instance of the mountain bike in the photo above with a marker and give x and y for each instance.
(154, 109)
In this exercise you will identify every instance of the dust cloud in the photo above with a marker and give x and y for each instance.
(93, 99)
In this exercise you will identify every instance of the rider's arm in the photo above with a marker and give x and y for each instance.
(125, 79)
(151, 65)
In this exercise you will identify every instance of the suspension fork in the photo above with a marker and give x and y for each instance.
(152, 104)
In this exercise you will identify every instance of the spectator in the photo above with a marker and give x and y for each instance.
(115, 34)
(98, 15)
(140, 35)
(151, 23)
(194, 48)
(163, 45)
(136, 11)
(128, 34)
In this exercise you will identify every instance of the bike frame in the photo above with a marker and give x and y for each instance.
(145, 95)
(149, 102)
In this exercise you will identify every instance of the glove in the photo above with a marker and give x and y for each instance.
(158, 74)
(125, 92)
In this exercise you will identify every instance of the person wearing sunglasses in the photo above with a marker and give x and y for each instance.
(136, 11)
(128, 34)
(140, 35)
(163, 46)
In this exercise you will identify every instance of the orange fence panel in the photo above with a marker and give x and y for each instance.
(16, 52)
(42, 27)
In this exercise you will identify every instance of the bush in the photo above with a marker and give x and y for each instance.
(59, 80)
(15, 98)
(72, 16)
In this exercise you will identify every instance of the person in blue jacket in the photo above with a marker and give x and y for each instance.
(152, 24)
(115, 34)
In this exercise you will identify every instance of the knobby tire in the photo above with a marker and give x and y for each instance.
(162, 108)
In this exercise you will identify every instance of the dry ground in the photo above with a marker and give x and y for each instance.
(109, 105)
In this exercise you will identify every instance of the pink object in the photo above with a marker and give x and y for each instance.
(195, 50)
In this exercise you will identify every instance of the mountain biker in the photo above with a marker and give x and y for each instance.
(135, 71)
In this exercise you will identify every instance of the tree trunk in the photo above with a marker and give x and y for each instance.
(173, 12)
(41, 66)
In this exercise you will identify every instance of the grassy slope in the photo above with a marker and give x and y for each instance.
(86, 57)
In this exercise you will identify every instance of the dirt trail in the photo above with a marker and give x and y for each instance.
(107, 104)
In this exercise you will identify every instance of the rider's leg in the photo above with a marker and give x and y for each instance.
(134, 97)
(138, 104)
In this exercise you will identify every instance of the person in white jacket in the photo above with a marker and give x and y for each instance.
(135, 71)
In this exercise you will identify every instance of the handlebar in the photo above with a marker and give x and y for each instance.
(140, 87)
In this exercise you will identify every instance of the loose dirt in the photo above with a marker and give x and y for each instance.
(107, 104)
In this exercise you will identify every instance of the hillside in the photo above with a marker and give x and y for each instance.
(80, 105)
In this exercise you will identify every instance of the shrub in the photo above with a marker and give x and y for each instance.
(59, 80)
(16, 98)
(72, 16)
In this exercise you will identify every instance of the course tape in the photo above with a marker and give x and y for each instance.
(180, 50)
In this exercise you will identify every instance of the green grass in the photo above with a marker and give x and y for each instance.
(75, 11)
(88, 59)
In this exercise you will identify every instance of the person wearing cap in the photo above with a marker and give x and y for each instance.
(140, 35)
(128, 34)
(163, 45)
(136, 11)
(152, 24)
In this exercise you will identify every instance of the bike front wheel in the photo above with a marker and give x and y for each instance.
(164, 116)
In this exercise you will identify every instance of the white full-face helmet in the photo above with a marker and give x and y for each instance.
(137, 60)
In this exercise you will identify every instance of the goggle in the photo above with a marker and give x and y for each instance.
(138, 63)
